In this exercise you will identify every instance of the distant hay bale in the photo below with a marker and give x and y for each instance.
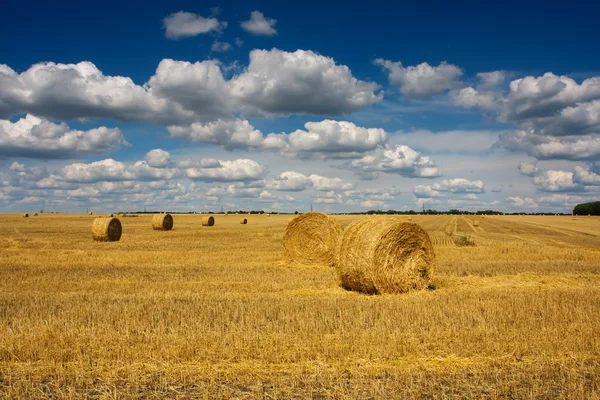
(25, 215)
(383, 255)
(475, 223)
(310, 239)
(106, 229)
(208, 221)
(91, 213)
(409, 219)
(162, 222)
(111, 215)
(35, 214)
(243, 221)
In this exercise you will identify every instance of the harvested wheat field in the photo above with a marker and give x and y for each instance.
(512, 312)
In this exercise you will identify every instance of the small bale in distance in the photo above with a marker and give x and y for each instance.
(383, 255)
(25, 215)
(243, 221)
(311, 238)
(35, 215)
(162, 222)
(208, 221)
(106, 229)
(475, 223)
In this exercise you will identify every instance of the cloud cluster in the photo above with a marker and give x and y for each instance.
(519, 202)
(556, 181)
(259, 25)
(294, 182)
(421, 81)
(528, 169)
(275, 83)
(33, 137)
(327, 138)
(555, 116)
(280, 83)
(399, 159)
(185, 24)
(447, 186)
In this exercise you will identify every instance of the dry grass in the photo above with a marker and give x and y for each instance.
(213, 313)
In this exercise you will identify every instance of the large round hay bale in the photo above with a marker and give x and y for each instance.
(243, 221)
(475, 223)
(106, 229)
(162, 222)
(310, 239)
(208, 221)
(25, 215)
(384, 255)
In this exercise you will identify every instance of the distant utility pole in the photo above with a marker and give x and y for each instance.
(423, 208)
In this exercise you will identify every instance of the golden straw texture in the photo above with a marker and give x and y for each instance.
(106, 230)
(384, 255)
(162, 222)
(310, 239)
(243, 221)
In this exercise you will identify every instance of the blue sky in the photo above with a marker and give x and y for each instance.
(188, 106)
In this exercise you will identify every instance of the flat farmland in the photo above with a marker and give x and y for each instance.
(214, 312)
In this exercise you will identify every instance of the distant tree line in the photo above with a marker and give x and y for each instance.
(592, 208)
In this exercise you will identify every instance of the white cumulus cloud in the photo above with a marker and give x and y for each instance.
(185, 24)
(422, 81)
(399, 159)
(260, 25)
(33, 137)
(280, 83)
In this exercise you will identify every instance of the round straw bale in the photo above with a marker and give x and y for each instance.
(91, 213)
(208, 221)
(162, 222)
(106, 229)
(310, 239)
(25, 215)
(475, 223)
(243, 221)
(383, 255)
(35, 215)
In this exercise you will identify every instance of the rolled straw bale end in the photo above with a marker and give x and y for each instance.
(106, 229)
(382, 255)
(208, 221)
(311, 238)
(162, 222)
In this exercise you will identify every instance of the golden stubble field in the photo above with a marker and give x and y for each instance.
(202, 312)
